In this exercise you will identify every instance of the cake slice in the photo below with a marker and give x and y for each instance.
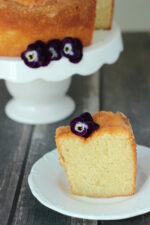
(104, 14)
(104, 163)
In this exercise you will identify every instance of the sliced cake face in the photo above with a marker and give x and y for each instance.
(104, 14)
(104, 164)
(102, 167)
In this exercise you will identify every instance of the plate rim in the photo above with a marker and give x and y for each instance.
(79, 215)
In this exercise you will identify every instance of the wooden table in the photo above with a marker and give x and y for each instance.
(124, 86)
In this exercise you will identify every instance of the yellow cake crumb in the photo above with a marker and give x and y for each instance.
(103, 165)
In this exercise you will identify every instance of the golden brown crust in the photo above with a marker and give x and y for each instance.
(109, 122)
(133, 143)
(24, 21)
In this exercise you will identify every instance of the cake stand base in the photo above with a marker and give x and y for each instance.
(39, 101)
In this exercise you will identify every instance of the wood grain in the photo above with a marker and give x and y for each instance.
(75, 221)
(14, 139)
(126, 88)
(126, 85)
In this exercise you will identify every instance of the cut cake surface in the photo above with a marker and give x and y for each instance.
(104, 14)
(104, 164)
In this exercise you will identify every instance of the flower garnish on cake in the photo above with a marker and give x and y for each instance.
(36, 55)
(54, 48)
(72, 49)
(83, 125)
(41, 54)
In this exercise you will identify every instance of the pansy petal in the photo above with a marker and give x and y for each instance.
(54, 48)
(42, 57)
(83, 125)
(90, 129)
(75, 49)
(86, 116)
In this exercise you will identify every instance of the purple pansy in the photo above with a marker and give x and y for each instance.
(36, 55)
(40, 54)
(72, 49)
(83, 125)
(54, 49)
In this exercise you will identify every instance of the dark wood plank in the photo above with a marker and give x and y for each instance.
(126, 88)
(139, 220)
(75, 221)
(29, 211)
(126, 85)
(147, 219)
(14, 139)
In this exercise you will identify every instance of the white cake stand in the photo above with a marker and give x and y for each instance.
(39, 95)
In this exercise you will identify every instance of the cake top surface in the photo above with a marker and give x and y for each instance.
(35, 2)
(109, 122)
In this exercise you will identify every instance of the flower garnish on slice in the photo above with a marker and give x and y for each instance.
(54, 49)
(83, 125)
(72, 49)
(36, 55)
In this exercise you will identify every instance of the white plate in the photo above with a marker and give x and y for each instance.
(49, 185)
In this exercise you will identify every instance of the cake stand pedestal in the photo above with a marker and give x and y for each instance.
(39, 101)
(39, 95)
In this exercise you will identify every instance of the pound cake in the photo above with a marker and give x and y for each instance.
(99, 155)
(23, 22)
(104, 14)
